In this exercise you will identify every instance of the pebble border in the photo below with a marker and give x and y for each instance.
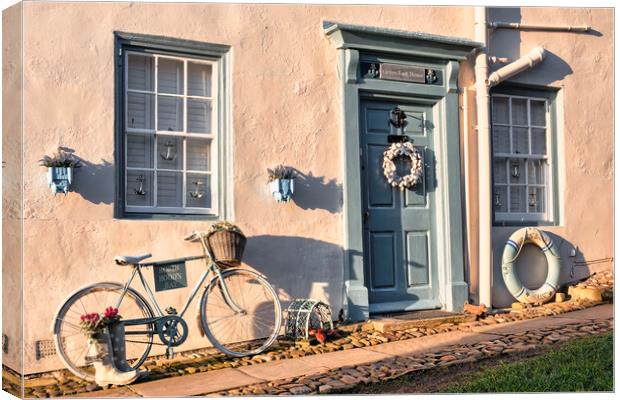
(348, 377)
(63, 383)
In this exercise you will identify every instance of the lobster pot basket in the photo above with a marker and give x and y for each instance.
(227, 247)
(303, 315)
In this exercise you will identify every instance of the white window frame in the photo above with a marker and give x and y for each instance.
(213, 172)
(524, 217)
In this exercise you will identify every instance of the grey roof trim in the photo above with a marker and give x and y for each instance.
(165, 42)
(330, 27)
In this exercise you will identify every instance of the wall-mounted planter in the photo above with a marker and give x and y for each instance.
(282, 189)
(59, 179)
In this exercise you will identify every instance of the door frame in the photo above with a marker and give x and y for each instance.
(355, 44)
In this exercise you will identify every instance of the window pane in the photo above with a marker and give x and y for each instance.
(499, 170)
(139, 188)
(538, 114)
(140, 151)
(536, 199)
(500, 198)
(198, 79)
(198, 154)
(517, 171)
(500, 110)
(169, 113)
(198, 191)
(170, 150)
(169, 189)
(198, 116)
(519, 111)
(140, 111)
(539, 141)
(501, 139)
(536, 172)
(520, 141)
(169, 76)
(517, 199)
(140, 73)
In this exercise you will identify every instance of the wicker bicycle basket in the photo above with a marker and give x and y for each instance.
(227, 247)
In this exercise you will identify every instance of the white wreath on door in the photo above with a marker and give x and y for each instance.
(389, 167)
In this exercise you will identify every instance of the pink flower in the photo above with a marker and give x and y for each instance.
(111, 312)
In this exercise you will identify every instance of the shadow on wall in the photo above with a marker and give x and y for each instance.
(91, 179)
(317, 192)
(298, 267)
(506, 43)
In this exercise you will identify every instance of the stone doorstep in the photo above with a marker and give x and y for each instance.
(390, 324)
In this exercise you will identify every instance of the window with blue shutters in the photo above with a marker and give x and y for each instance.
(170, 133)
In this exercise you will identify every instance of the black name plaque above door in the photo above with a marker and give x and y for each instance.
(400, 73)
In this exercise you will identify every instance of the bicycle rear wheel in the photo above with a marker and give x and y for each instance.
(243, 333)
(71, 343)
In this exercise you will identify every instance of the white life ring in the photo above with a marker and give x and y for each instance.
(511, 252)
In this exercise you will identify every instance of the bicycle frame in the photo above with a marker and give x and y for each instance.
(211, 267)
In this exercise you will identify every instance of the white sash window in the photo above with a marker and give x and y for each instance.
(170, 134)
(521, 159)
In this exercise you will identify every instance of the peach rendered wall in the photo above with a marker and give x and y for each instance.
(286, 109)
(12, 188)
(580, 65)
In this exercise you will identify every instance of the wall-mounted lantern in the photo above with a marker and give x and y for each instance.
(60, 167)
(281, 183)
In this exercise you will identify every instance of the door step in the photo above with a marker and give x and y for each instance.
(418, 319)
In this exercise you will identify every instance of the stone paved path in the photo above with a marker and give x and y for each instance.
(387, 359)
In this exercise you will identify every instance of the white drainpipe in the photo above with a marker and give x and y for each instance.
(481, 70)
(482, 85)
(532, 58)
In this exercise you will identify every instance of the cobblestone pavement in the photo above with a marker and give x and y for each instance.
(63, 384)
(344, 378)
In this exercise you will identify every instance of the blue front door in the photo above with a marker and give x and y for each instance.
(398, 226)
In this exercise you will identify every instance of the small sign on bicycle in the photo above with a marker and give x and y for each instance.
(170, 276)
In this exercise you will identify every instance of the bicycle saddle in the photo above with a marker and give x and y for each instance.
(131, 260)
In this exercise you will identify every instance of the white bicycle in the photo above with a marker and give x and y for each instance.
(239, 312)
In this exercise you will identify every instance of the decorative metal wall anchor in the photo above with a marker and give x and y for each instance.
(140, 190)
(59, 179)
(532, 199)
(373, 72)
(304, 315)
(196, 194)
(514, 169)
(498, 202)
(168, 156)
(282, 189)
(431, 76)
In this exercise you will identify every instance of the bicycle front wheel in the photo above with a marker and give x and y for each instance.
(71, 344)
(255, 324)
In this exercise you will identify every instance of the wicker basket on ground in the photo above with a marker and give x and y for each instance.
(227, 247)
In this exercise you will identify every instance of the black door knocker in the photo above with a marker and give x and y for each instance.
(398, 121)
(397, 118)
